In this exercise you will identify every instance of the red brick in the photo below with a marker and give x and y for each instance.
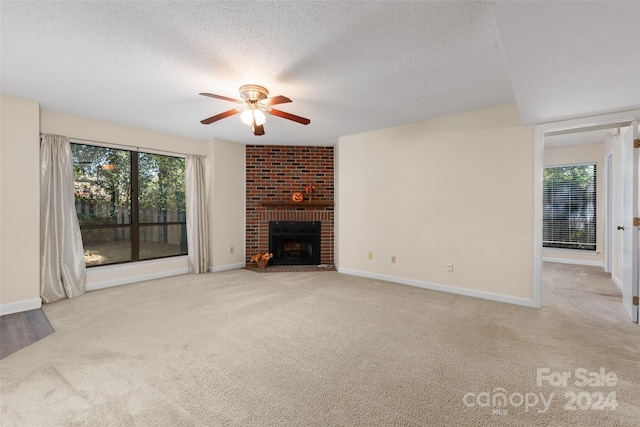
(273, 173)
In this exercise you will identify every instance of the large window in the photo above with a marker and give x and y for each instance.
(130, 205)
(569, 216)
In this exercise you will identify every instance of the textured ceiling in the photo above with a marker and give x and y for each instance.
(348, 66)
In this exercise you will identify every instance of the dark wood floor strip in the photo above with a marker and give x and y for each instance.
(19, 330)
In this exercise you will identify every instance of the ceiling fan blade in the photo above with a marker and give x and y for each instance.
(275, 100)
(211, 95)
(219, 116)
(258, 130)
(289, 116)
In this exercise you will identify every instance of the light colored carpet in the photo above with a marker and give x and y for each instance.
(323, 349)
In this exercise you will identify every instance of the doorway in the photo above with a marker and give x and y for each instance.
(607, 257)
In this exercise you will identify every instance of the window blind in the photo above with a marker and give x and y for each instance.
(569, 207)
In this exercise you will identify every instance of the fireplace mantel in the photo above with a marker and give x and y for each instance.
(298, 205)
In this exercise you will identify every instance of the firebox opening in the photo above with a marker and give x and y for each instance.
(294, 242)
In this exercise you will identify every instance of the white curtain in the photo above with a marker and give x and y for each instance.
(197, 224)
(62, 267)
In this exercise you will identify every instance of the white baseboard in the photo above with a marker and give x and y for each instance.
(443, 288)
(32, 304)
(213, 269)
(616, 281)
(18, 306)
(574, 262)
(134, 279)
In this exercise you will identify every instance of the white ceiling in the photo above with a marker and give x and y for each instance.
(348, 66)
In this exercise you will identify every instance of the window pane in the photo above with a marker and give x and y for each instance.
(102, 184)
(163, 240)
(160, 188)
(108, 184)
(106, 245)
(569, 216)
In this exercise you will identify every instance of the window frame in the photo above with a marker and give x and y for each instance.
(135, 225)
(576, 247)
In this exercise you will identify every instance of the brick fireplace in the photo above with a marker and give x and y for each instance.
(273, 174)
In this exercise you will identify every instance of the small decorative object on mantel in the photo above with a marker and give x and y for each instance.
(262, 259)
(297, 197)
(309, 190)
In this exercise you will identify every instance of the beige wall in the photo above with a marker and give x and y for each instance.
(100, 131)
(454, 189)
(576, 154)
(19, 205)
(227, 208)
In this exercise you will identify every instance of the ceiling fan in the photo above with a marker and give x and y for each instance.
(253, 107)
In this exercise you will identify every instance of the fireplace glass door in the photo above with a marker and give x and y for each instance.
(294, 242)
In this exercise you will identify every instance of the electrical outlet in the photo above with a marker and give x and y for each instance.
(370, 255)
(231, 250)
(393, 259)
(450, 267)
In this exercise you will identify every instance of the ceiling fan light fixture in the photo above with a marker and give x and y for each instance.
(247, 117)
(260, 117)
(251, 114)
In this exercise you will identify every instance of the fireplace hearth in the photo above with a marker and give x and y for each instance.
(294, 242)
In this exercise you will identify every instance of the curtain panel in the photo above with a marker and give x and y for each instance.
(197, 223)
(62, 266)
